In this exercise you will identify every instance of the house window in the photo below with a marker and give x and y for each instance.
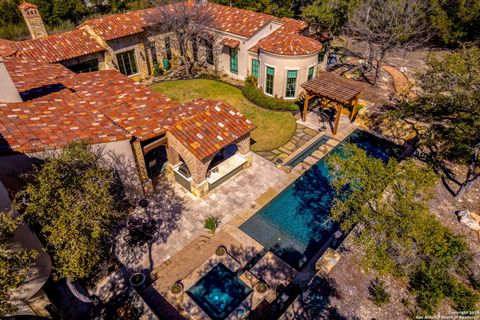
(87, 66)
(311, 72)
(153, 52)
(209, 49)
(127, 63)
(168, 48)
(269, 80)
(291, 83)
(233, 60)
(255, 66)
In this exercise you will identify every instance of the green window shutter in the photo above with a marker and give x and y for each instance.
(311, 72)
(255, 67)
(291, 83)
(233, 61)
(269, 80)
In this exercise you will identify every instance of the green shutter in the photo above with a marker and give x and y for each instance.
(269, 80)
(255, 67)
(291, 83)
(233, 61)
(311, 71)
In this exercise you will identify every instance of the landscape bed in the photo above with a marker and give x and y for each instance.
(296, 224)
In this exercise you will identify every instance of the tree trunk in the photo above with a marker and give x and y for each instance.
(379, 66)
(472, 176)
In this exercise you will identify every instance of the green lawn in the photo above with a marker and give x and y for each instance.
(274, 128)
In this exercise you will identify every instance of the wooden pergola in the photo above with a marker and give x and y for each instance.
(335, 91)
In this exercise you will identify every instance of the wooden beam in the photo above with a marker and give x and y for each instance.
(305, 106)
(339, 108)
(355, 108)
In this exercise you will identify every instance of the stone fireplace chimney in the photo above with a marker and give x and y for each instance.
(33, 20)
(8, 92)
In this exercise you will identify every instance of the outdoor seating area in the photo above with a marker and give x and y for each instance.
(333, 91)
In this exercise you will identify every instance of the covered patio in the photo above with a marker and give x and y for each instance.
(335, 92)
(207, 149)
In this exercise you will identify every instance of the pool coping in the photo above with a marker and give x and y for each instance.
(293, 175)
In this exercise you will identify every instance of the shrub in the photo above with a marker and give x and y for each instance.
(251, 80)
(256, 96)
(378, 293)
(463, 298)
(157, 71)
(211, 223)
(177, 287)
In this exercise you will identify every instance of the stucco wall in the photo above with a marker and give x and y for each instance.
(244, 62)
(117, 155)
(281, 65)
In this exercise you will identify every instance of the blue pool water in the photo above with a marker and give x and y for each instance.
(303, 155)
(219, 292)
(296, 223)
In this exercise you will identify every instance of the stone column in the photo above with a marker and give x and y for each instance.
(243, 145)
(146, 182)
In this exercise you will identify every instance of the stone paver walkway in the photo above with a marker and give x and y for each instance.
(301, 136)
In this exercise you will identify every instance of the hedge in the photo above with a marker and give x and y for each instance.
(256, 96)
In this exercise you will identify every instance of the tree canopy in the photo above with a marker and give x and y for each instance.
(446, 112)
(388, 202)
(71, 206)
(15, 263)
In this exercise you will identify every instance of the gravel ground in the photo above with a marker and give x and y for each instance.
(352, 282)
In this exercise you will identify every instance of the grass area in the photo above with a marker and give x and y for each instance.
(274, 128)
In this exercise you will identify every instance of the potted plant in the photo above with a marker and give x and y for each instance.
(261, 287)
(177, 287)
(221, 250)
(137, 280)
(211, 224)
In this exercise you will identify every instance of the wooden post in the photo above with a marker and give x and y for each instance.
(337, 118)
(355, 108)
(305, 106)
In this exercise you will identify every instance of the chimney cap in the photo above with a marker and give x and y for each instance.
(27, 5)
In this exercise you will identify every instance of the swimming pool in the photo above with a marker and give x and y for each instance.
(296, 223)
(305, 153)
(219, 292)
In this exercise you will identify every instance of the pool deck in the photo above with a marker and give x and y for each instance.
(189, 254)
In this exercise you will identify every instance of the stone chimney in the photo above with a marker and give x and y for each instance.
(33, 20)
(8, 92)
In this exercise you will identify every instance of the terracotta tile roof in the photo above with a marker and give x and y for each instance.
(288, 41)
(208, 132)
(27, 5)
(115, 26)
(7, 48)
(38, 125)
(33, 79)
(100, 107)
(237, 21)
(231, 43)
(229, 19)
(58, 47)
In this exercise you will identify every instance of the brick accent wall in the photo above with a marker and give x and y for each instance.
(243, 144)
(198, 169)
